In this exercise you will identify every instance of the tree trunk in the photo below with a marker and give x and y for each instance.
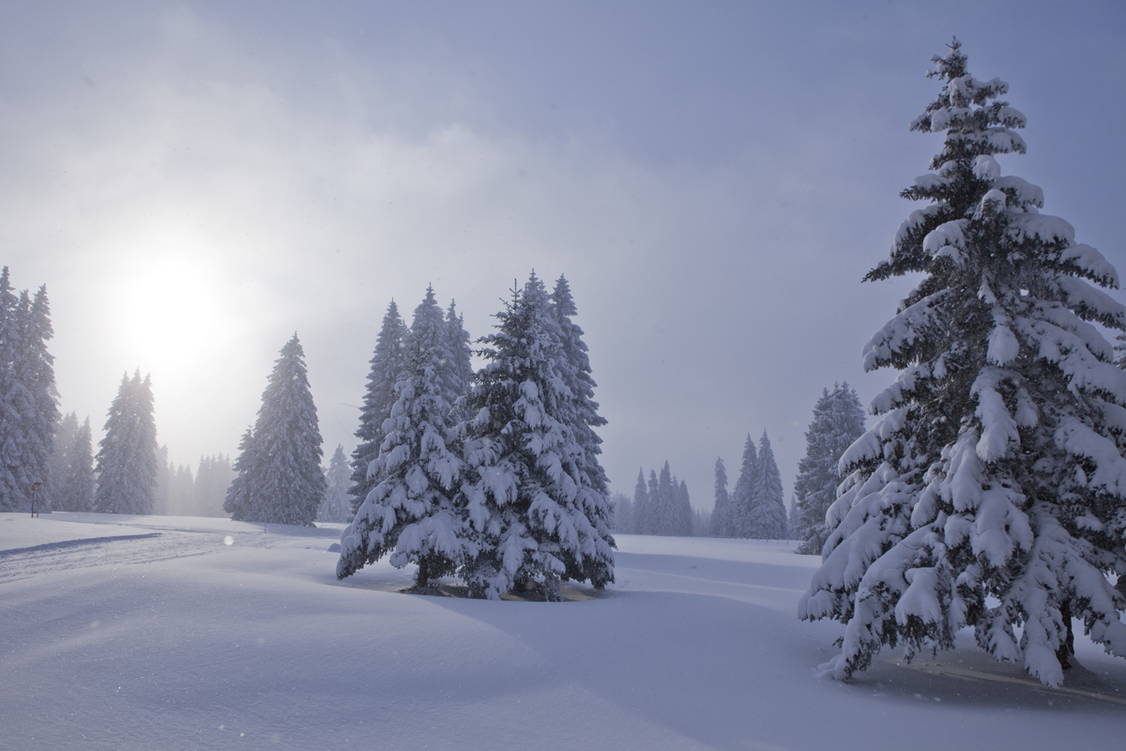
(1067, 649)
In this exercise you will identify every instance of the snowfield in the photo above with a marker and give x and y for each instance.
(149, 632)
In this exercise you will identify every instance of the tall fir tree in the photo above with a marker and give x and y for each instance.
(212, 479)
(379, 395)
(28, 401)
(163, 491)
(766, 514)
(640, 505)
(76, 485)
(741, 497)
(59, 463)
(992, 492)
(652, 512)
(623, 513)
(665, 508)
(238, 499)
(127, 456)
(838, 420)
(412, 513)
(685, 516)
(44, 418)
(793, 519)
(721, 513)
(11, 480)
(461, 366)
(579, 411)
(525, 486)
(337, 505)
(284, 483)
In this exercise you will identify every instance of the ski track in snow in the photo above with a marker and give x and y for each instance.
(69, 555)
(239, 635)
(167, 541)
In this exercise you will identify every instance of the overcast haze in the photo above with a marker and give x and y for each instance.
(195, 181)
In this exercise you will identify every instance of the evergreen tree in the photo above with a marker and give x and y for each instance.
(181, 500)
(461, 368)
(238, 498)
(664, 516)
(412, 513)
(838, 420)
(741, 497)
(653, 514)
(721, 514)
(76, 488)
(284, 483)
(766, 516)
(623, 513)
(59, 464)
(161, 503)
(526, 490)
(580, 414)
(686, 517)
(127, 456)
(337, 505)
(28, 401)
(992, 492)
(640, 505)
(211, 481)
(43, 421)
(379, 396)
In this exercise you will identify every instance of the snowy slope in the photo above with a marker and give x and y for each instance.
(184, 641)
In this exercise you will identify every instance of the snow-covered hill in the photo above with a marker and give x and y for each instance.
(176, 632)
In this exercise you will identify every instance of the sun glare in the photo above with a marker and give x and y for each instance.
(170, 311)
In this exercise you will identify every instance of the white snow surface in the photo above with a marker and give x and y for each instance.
(205, 633)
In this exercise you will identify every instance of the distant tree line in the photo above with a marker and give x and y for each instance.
(660, 506)
(29, 404)
(180, 492)
(755, 509)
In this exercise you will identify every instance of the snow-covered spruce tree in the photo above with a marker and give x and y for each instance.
(623, 513)
(721, 514)
(524, 483)
(461, 367)
(413, 514)
(686, 518)
(284, 484)
(664, 509)
(57, 466)
(838, 420)
(39, 377)
(580, 414)
(766, 515)
(127, 456)
(211, 482)
(337, 505)
(652, 522)
(379, 395)
(741, 496)
(237, 501)
(28, 401)
(76, 485)
(640, 505)
(992, 492)
(12, 482)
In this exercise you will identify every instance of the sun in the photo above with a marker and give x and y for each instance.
(170, 311)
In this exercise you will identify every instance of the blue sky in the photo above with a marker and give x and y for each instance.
(194, 181)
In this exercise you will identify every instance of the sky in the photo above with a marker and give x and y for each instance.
(196, 181)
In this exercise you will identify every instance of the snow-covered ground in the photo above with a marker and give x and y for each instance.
(179, 632)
